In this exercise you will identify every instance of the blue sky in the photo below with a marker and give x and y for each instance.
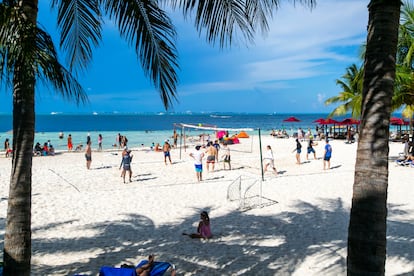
(292, 69)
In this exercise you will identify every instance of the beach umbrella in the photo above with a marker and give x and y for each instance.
(319, 121)
(330, 121)
(291, 119)
(397, 121)
(349, 121)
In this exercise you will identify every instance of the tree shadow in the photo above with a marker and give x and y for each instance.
(243, 243)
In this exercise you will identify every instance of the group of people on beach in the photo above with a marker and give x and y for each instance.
(268, 159)
(46, 150)
(212, 152)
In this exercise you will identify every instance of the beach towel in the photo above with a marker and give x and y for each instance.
(158, 269)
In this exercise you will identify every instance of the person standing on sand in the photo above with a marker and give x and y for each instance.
(217, 146)
(310, 148)
(166, 148)
(100, 142)
(269, 160)
(211, 156)
(298, 150)
(226, 155)
(198, 156)
(88, 155)
(126, 164)
(70, 144)
(327, 155)
(175, 138)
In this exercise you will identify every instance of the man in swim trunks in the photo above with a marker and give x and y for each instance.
(211, 156)
(166, 149)
(327, 156)
(88, 155)
(198, 156)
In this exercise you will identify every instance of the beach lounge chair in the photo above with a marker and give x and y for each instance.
(158, 269)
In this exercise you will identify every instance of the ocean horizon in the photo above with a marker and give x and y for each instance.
(143, 129)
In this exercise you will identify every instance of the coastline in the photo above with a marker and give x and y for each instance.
(84, 219)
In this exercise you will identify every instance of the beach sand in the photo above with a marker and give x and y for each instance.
(84, 219)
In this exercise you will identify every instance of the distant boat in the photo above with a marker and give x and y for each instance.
(95, 113)
(220, 116)
(55, 113)
(160, 113)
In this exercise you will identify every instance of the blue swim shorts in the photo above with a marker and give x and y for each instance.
(311, 150)
(198, 168)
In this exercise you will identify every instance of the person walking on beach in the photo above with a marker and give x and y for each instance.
(268, 160)
(126, 163)
(327, 155)
(100, 142)
(198, 156)
(88, 155)
(70, 144)
(310, 148)
(7, 147)
(226, 156)
(166, 148)
(298, 150)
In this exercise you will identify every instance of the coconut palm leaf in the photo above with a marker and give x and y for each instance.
(148, 28)
(80, 23)
(41, 55)
(351, 96)
(223, 20)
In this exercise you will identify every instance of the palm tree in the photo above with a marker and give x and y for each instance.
(26, 54)
(351, 94)
(367, 226)
(142, 23)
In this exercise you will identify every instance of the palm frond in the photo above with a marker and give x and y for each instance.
(223, 20)
(143, 24)
(51, 71)
(80, 23)
(37, 55)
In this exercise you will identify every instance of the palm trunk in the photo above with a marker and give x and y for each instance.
(367, 227)
(17, 241)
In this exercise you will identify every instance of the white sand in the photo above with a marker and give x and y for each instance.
(85, 219)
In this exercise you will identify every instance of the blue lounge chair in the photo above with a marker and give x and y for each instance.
(158, 269)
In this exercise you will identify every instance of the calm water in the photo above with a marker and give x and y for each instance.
(147, 128)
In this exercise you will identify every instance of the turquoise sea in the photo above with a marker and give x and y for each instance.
(144, 129)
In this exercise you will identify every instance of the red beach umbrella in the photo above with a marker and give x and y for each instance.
(350, 121)
(397, 121)
(319, 121)
(291, 119)
(330, 121)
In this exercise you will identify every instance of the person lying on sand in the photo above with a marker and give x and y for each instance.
(145, 269)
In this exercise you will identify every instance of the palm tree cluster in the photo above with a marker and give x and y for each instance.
(351, 82)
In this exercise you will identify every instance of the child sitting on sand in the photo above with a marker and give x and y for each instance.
(203, 229)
